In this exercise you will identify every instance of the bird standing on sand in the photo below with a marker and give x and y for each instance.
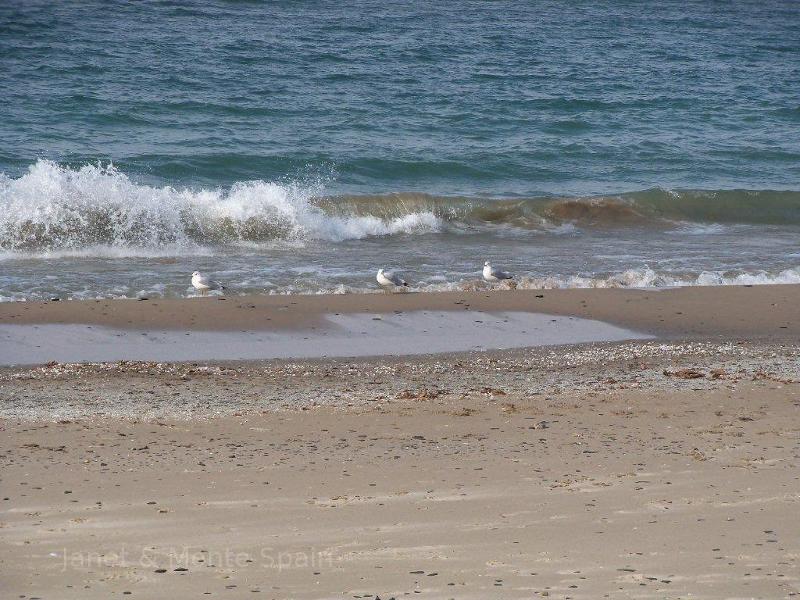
(202, 283)
(390, 281)
(493, 275)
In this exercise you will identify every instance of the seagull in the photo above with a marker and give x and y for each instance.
(389, 281)
(202, 283)
(494, 275)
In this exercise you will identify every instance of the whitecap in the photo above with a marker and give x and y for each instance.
(52, 208)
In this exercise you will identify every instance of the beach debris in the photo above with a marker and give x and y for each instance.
(685, 373)
(421, 394)
(158, 390)
(490, 391)
(697, 454)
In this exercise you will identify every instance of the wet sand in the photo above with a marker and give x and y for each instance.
(349, 334)
(656, 468)
(766, 312)
(268, 327)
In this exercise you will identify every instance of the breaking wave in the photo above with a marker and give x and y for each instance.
(707, 210)
(54, 208)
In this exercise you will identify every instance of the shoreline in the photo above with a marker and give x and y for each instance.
(712, 310)
(302, 327)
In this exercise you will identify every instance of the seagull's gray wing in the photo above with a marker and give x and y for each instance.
(502, 274)
(396, 279)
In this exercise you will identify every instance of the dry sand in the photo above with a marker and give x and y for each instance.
(647, 469)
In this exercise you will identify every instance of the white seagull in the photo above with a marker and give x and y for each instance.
(202, 283)
(390, 281)
(493, 275)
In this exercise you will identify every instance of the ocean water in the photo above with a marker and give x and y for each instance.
(291, 147)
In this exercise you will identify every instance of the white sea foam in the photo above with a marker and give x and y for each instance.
(100, 251)
(52, 208)
(561, 229)
(684, 228)
(757, 278)
(332, 283)
(643, 278)
(649, 278)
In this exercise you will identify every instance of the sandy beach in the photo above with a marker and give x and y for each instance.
(381, 301)
(662, 466)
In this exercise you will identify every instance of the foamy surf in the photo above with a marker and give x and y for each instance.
(52, 207)
(94, 232)
(360, 283)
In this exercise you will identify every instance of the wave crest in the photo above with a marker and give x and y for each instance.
(53, 207)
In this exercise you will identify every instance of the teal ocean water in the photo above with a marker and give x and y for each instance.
(296, 147)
